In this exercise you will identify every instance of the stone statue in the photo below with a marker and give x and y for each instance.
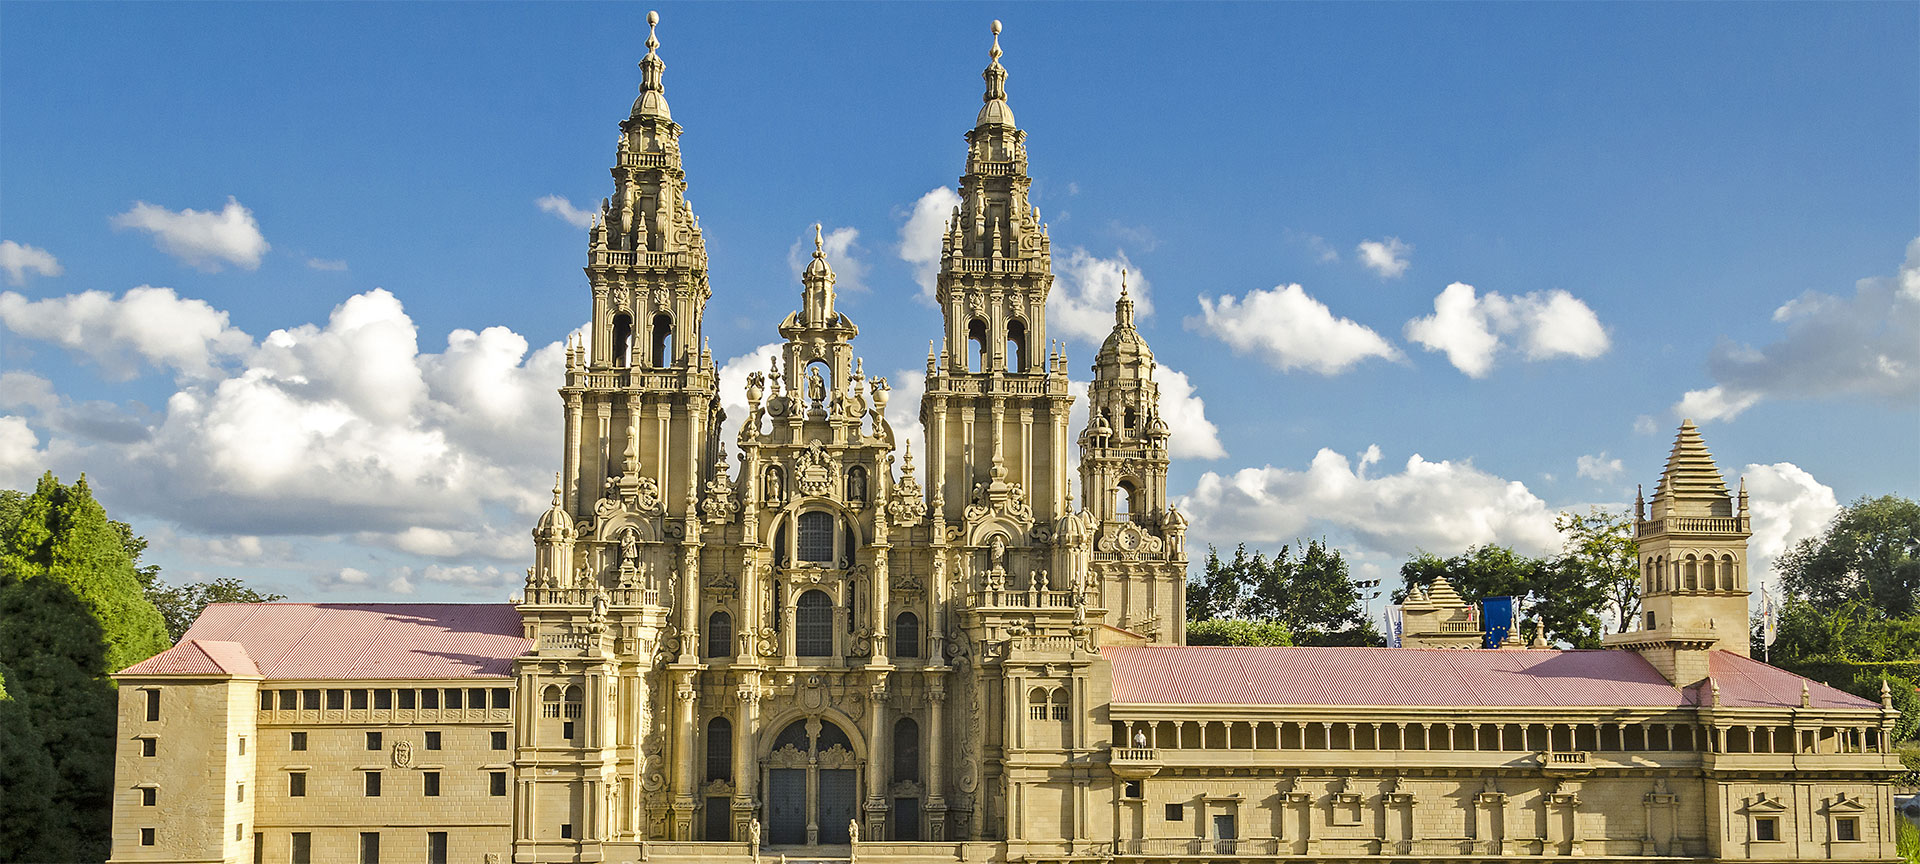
(816, 387)
(1140, 738)
(997, 553)
(772, 492)
(753, 837)
(629, 547)
(853, 830)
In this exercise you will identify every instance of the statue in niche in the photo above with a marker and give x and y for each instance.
(856, 483)
(816, 387)
(772, 490)
(997, 553)
(629, 548)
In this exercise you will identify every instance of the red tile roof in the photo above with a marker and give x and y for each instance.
(197, 657)
(366, 640)
(1192, 675)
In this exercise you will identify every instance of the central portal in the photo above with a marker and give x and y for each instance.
(813, 785)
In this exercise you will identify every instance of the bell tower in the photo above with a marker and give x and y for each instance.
(1693, 565)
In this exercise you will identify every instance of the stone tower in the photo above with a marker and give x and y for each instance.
(1123, 479)
(1693, 565)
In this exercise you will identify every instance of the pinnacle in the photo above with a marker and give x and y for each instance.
(1691, 473)
(653, 97)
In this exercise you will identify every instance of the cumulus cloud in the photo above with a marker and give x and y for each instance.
(1787, 505)
(1085, 288)
(1866, 344)
(19, 260)
(564, 210)
(733, 388)
(1442, 507)
(920, 236)
(1315, 244)
(201, 239)
(1388, 258)
(1289, 330)
(842, 246)
(146, 326)
(1193, 435)
(21, 459)
(1469, 328)
(1644, 425)
(905, 387)
(443, 543)
(1598, 467)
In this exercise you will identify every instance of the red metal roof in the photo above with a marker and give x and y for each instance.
(1195, 675)
(197, 657)
(365, 640)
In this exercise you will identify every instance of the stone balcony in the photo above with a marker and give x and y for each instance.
(1134, 763)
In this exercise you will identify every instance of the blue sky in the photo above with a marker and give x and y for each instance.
(1660, 209)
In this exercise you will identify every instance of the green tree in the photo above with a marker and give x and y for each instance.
(1852, 647)
(62, 534)
(1601, 548)
(1870, 552)
(1563, 596)
(27, 781)
(1308, 591)
(1236, 632)
(180, 605)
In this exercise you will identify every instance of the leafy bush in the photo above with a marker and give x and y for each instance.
(1237, 632)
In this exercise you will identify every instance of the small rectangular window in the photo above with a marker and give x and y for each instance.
(369, 847)
(148, 746)
(497, 783)
(1131, 789)
(502, 697)
(436, 847)
(1766, 828)
(240, 792)
(406, 698)
(302, 848)
(566, 831)
(336, 700)
(153, 704)
(288, 699)
(297, 784)
(266, 700)
(146, 836)
(373, 740)
(431, 780)
(499, 740)
(1846, 827)
(382, 700)
(429, 698)
(373, 784)
(1176, 812)
(149, 796)
(310, 700)
(476, 698)
(453, 697)
(239, 831)
(259, 848)
(243, 745)
(433, 740)
(566, 730)
(359, 701)
(297, 741)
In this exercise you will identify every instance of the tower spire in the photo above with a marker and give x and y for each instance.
(653, 94)
(1123, 307)
(995, 112)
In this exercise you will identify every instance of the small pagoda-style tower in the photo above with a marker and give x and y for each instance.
(1693, 565)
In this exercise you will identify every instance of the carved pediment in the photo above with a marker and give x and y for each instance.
(1127, 539)
(814, 471)
(837, 757)
(787, 757)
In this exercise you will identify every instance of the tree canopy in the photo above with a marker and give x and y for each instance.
(1305, 589)
(1596, 571)
(181, 604)
(61, 533)
(1870, 553)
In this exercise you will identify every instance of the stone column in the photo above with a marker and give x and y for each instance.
(571, 471)
(745, 766)
(878, 749)
(936, 748)
(686, 757)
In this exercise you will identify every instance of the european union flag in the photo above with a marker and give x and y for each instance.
(1497, 612)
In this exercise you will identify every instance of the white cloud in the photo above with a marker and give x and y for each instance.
(1468, 329)
(904, 389)
(400, 584)
(1193, 435)
(1290, 330)
(1644, 425)
(1441, 507)
(18, 260)
(1388, 257)
(1085, 288)
(442, 543)
(1598, 467)
(1314, 243)
(1867, 344)
(148, 324)
(332, 265)
(1787, 505)
(342, 579)
(201, 239)
(27, 390)
(21, 459)
(842, 246)
(564, 209)
(921, 234)
(733, 389)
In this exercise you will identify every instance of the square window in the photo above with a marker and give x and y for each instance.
(1846, 828)
(433, 740)
(406, 698)
(297, 741)
(149, 796)
(453, 697)
(148, 746)
(288, 698)
(383, 700)
(297, 784)
(502, 697)
(1131, 789)
(336, 699)
(1766, 827)
(153, 704)
(373, 740)
(359, 701)
(432, 781)
(476, 698)
(146, 836)
(497, 783)
(429, 698)
(302, 851)
(499, 740)
(1176, 812)
(566, 831)
(373, 784)
(310, 700)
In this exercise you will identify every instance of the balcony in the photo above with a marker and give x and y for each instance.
(1561, 764)
(1134, 763)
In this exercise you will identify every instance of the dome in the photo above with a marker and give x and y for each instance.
(995, 113)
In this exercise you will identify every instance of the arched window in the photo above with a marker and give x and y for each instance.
(1132, 418)
(622, 342)
(1060, 704)
(550, 701)
(1123, 499)
(719, 749)
(857, 484)
(570, 705)
(977, 338)
(1037, 704)
(906, 750)
(1016, 358)
(719, 634)
(1692, 571)
(780, 545)
(906, 635)
(663, 340)
(816, 537)
(813, 625)
(1709, 580)
(1727, 574)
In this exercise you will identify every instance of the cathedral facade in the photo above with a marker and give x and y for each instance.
(816, 639)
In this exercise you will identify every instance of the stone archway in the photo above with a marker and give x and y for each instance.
(813, 784)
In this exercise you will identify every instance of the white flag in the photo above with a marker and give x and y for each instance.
(1394, 624)
(1769, 619)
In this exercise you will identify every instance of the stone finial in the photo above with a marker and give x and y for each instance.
(1123, 307)
(1806, 695)
(1886, 694)
(653, 97)
(1714, 686)
(557, 486)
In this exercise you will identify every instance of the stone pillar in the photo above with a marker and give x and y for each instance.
(878, 751)
(880, 591)
(571, 471)
(745, 766)
(686, 760)
(936, 748)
